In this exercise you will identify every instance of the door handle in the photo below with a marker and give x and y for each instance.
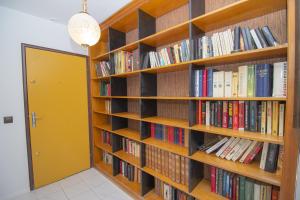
(33, 119)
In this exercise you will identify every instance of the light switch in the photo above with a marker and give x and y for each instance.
(8, 119)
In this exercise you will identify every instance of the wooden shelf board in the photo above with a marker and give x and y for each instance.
(250, 170)
(128, 158)
(129, 133)
(166, 179)
(106, 127)
(104, 147)
(104, 168)
(239, 98)
(127, 115)
(167, 36)
(241, 134)
(125, 97)
(203, 190)
(101, 112)
(101, 97)
(152, 196)
(127, 74)
(166, 98)
(167, 68)
(101, 78)
(237, 12)
(177, 149)
(129, 185)
(127, 23)
(167, 121)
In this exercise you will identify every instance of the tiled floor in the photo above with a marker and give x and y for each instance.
(87, 185)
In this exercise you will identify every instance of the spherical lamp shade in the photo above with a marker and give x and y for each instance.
(84, 29)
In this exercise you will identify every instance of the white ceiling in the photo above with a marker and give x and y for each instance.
(61, 10)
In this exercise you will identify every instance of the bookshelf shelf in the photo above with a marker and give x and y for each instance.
(182, 151)
(129, 133)
(250, 170)
(203, 190)
(241, 134)
(127, 115)
(128, 157)
(164, 95)
(165, 179)
(167, 121)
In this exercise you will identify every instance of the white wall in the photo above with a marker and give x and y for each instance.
(16, 28)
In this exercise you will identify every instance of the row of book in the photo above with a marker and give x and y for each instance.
(106, 138)
(104, 87)
(266, 117)
(129, 171)
(236, 187)
(103, 69)
(169, 134)
(174, 166)
(244, 151)
(168, 192)
(124, 61)
(261, 80)
(107, 158)
(107, 106)
(230, 41)
(169, 55)
(131, 147)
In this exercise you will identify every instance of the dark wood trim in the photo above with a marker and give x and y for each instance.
(297, 70)
(25, 93)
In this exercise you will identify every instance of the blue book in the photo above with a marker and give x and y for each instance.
(264, 80)
(224, 183)
(182, 136)
(210, 82)
(253, 116)
(200, 83)
(176, 136)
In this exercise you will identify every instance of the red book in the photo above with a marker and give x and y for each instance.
(172, 134)
(253, 153)
(235, 115)
(234, 188)
(275, 193)
(180, 136)
(213, 179)
(152, 126)
(204, 83)
(225, 114)
(241, 115)
(199, 112)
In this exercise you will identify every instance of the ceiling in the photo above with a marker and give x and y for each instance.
(61, 10)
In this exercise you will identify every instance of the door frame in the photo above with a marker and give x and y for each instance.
(26, 110)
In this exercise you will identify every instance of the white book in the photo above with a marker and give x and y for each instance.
(269, 117)
(214, 43)
(166, 56)
(176, 53)
(252, 145)
(255, 38)
(207, 107)
(243, 74)
(230, 147)
(219, 44)
(166, 192)
(197, 76)
(222, 43)
(221, 83)
(228, 84)
(264, 153)
(188, 49)
(217, 145)
(235, 149)
(280, 79)
(243, 148)
(205, 47)
(225, 146)
(235, 84)
(215, 84)
(281, 119)
(226, 41)
(256, 195)
(229, 33)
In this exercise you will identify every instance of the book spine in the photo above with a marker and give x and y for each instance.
(225, 114)
(269, 117)
(272, 157)
(263, 129)
(241, 115)
(219, 113)
(235, 115)
(204, 83)
(253, 116)
(210, 82)
(230, 114)
(213, 178)
(281, 119)
(275, 118)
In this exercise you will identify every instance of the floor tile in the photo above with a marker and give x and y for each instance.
(27, 196)
(54, 196)
(76, 189)
(88, 195)
(49, 189)
(72, 180)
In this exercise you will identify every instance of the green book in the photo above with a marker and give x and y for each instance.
(242, 188)
(251, 81)
(249, 189)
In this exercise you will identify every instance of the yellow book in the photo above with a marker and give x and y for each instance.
(275, 116)
(263, 117)
(235, 83)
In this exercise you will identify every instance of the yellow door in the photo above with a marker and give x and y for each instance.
(58, 113)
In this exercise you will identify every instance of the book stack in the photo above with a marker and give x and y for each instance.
(169, 134)
(266, 117)
(261, 80)
(167, 192)
(168, 164)
(229, 41)
(123, 61)
(104, 88)
(103, 69)
(107, 105)
(131, 147)
(129, 171)
(106, 138)
(107, 158)
(237, 187)
(170, 55)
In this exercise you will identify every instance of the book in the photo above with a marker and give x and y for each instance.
(280, 79)
(263, 158)
(256, 39)
(269, 117)
(247, 115)
(234, 84)
(228, 81)
(230, 114)
(241, 115)
(215, 84)
(210, 72)
(272, 157)
(263, 128)
(275, 118)
(222, 149)
(235, 115)
(217, 145)
(248, 151)
(207, 113)
(225, 114)
(249, 189)
(242, 83)
(281, 119)
(253, 116)
(269, 36)
(264, 80)
(237, 44)
(251, 81)
(230, 147)
(213, 178)
(221, 83)
(235, 149)
(245, 145)
(261, 38)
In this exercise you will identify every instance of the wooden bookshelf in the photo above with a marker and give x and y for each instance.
(153, 24)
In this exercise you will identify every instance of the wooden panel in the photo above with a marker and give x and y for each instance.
(211, 5)
(128, 158)
(133, 124)
(133, 86)
(167, 121)
(172, 109)
(129, 133)
(203, 190)
(134, 106)
(131, 36)
(173, 84)
(127, 115)
(127, 23)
